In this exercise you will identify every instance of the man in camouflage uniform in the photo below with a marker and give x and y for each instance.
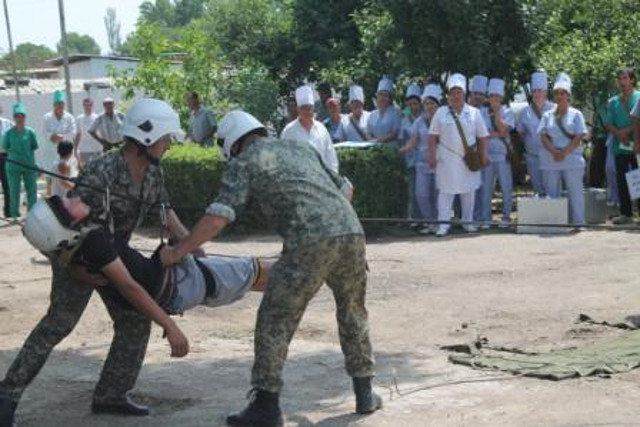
(323, 242)
(134, 171)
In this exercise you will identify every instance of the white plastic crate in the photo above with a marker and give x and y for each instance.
(534, 210)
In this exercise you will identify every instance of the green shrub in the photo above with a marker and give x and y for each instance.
(379, 178)
(193, 176)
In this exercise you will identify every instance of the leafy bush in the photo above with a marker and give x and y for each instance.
(193, 175)
(379, 178)
(192, 178)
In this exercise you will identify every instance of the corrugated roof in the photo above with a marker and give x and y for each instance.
(85, 57)
(43, 86)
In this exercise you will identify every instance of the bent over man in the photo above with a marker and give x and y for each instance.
(133, 171)
(323, 242)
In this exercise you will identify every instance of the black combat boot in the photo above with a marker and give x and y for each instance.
(263, 411)
(366, 400)
(7, 412)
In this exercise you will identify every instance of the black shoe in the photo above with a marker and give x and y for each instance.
(7, 413)
(366, 400)
(263, 411)
(125, 407)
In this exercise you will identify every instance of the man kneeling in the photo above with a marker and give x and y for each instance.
(59, 224)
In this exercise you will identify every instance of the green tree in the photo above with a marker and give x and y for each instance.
(113, 31)
(168, 13)
(589, 40)
(78, 43)
(429, 39)
(29, 55)
(245, 85)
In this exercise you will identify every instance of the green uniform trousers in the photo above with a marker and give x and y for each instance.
(67, 303)
(16, 174)
(294, 280)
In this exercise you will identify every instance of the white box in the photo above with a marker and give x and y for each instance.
(534, 210)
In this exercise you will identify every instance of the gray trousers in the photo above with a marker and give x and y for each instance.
(67, 303)
(294, 280)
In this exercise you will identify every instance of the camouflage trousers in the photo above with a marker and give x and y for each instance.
(68, 300)
(294, 280)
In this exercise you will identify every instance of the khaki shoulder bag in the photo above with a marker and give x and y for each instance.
(471, 156)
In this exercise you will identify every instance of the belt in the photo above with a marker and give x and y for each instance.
(209, 280)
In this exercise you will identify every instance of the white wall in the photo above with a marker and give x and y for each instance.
(97, 68)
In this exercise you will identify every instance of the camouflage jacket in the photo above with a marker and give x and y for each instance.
(111, 171)
(288, 183)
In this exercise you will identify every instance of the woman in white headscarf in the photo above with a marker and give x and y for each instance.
(561, 159)
(425, 193)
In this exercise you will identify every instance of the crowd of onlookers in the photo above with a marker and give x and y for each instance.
(69, 144)
(458, 146)
(461, 145)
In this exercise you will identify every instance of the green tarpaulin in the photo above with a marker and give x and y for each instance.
(610, 356)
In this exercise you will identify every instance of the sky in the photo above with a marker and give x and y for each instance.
(38, 21)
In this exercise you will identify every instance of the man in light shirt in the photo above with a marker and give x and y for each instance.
(86, 146)
(5, 125)
(202, 123)
(59, 126)
(306, 128)
(106, 127)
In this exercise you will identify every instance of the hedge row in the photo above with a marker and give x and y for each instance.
(193, 176)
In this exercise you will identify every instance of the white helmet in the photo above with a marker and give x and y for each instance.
(149, 119)
(235, 125)
(47, 226)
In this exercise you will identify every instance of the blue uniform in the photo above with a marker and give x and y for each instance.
(527, 126)
(499, 169)
(426, 193)
(348, 130)
(571, 169)
(381, 125)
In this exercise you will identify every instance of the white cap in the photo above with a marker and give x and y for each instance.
(235, 125)
(479, 83)
(44, 229)
(563, 82)
(304, 96)
(457, 80)
(413, 90)
(539, 81)
(385, 85)
(432, 91)
(149, 119)
(496, 87)
(356, 93)
(108, 99)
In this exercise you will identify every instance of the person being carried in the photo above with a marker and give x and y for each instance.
(62, 225)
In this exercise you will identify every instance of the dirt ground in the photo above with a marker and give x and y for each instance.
(523, 291)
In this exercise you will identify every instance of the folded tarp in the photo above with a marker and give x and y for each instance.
(609, 356)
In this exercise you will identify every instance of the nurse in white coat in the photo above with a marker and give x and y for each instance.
(306, 128)
(452, 174)
(500, 121)
(384, 122)
(527, 127)
(561, 160)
